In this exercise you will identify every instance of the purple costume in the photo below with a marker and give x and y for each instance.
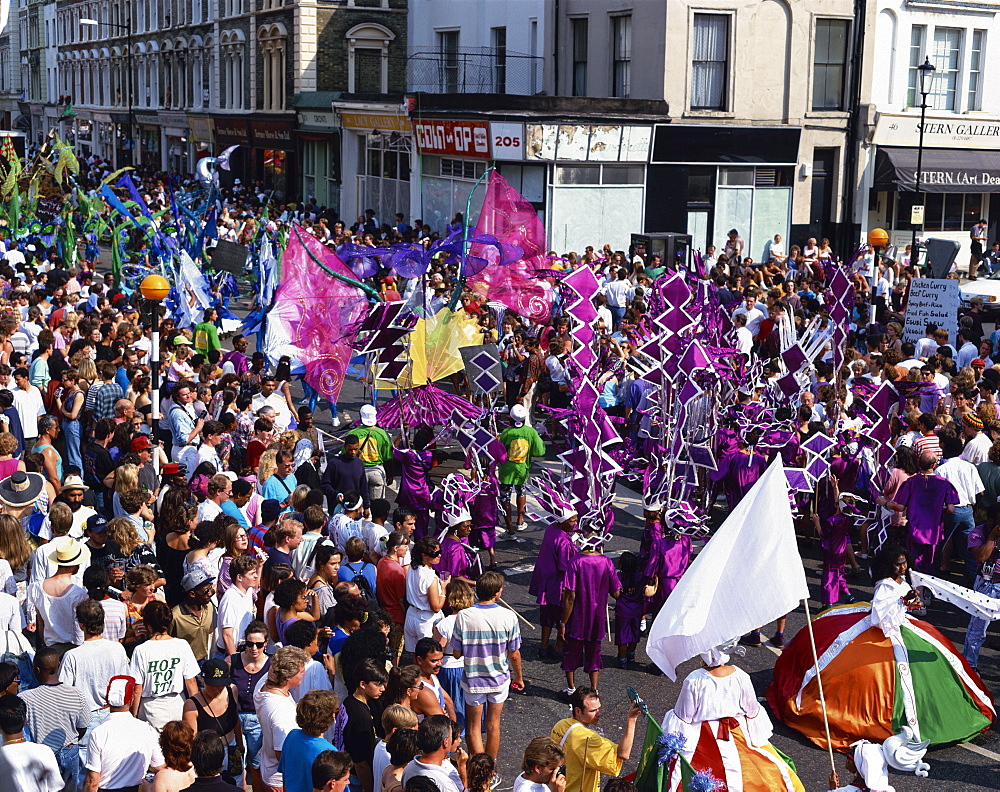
(458, 559)
(546, 585)
(667, 560)
(485, 512)
(629, 608)
(738, 472)
(592, 578)
(414, 488)
(925, 499)
(835, 533)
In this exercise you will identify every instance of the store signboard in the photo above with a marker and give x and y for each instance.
(378, 122)
(948, 132)
(453, 138)
(507, 140)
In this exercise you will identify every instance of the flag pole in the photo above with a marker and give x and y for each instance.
(819, 682)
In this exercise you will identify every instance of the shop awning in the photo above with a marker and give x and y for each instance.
(942, 170)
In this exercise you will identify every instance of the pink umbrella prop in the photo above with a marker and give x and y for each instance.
(426, 405)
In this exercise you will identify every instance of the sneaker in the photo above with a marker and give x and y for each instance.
(778, 640)
(851, 599)
(567, 692)
(622, 662)
(336, 421)
(496, 781)
(642, 625)
(521, 527)
(752, 639)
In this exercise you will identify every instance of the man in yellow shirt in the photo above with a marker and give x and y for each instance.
(588, 754)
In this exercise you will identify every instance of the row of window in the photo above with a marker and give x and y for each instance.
(711, 60)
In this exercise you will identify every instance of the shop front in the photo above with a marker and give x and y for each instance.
(231, 131)
(318, 136)
(377, 145)
(123, 138)
(174, 143)
(84, 135)
(150, 143)
(201, 137)
(103, 136)
(705, 180)
(595, 181)
(960, 171)
(273, 158)
(454, 154)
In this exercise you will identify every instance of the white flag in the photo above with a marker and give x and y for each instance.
(750, 573)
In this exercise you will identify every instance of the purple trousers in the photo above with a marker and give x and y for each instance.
(923, 555)
(834, 584)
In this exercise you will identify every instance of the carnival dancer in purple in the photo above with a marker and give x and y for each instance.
(414, 488)
(546, 586)
(738, 471)
(835, 537)
(925, 498)
(666, 555)
(629, 607)
(590, 578)
(458, 559)
(485, 511)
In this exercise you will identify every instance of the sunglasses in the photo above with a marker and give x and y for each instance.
(435, 554)
(257, 644)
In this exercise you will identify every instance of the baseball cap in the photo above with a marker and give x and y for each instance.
(216, 672)
(121, 689)
(269, 510)
(181, 341)
(140, 443)
(97, 523)
(195, 578)
(368, 415)
(174, 469)
(518, 414)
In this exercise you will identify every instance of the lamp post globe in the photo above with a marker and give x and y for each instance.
(154, 288)
(878, 237)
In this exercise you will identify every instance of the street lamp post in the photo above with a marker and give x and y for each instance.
(155, 288)
(926, 71)
(129, 78)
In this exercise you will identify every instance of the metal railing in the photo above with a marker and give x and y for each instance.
(474, 70)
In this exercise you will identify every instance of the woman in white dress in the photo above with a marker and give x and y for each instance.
(425, 592)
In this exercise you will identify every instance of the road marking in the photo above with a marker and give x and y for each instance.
(976, 749)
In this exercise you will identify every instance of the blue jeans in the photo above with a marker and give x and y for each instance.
(68, 760)
(616, 317)
(959, 525)
(97, 717)
(252, 738)
(975, 635)
(71, 436)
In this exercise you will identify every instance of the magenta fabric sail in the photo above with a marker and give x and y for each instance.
(319, 313)
(504, 271)
(425, 405)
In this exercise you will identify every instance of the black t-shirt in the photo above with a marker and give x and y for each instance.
(97, 464)
(359, 734)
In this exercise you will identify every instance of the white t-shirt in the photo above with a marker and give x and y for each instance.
(446, 627)
(522, 784)
(31, 766)
(276, 714)
(754, 317)
(161, 666)
(208, 510)
(444, 775)
(236, 611)
(744, 340)
(90, 666)
(59, 613)
(11, 616)
(121, 749)
(380, 759)
(30, 407)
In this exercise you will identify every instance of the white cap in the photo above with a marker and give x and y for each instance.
(368, 415)
(518, 414)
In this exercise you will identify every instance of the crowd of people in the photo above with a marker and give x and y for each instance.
(212, 590)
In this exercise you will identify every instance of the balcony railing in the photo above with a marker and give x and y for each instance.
(474, 70)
